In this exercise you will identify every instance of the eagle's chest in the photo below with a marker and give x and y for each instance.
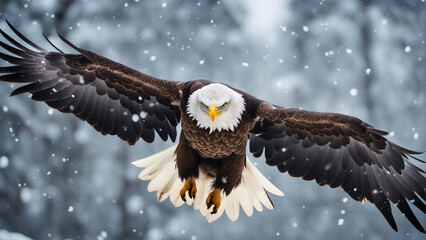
(217, 144)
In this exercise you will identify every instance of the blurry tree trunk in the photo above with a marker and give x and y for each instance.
(366, 54)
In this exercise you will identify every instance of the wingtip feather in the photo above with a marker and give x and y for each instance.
(70, 44)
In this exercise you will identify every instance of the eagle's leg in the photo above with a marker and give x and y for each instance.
(187, 161)
(190, 187)
(215, 199)
(227, 178)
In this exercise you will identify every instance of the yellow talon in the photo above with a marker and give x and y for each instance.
(190, 187)
(214, 198)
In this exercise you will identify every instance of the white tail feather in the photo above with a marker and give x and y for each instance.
(161, 170)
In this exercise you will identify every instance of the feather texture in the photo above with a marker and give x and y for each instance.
(340, 150)
(160, 169)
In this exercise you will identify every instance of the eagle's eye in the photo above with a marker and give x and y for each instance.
(223, 105)
(204, 106)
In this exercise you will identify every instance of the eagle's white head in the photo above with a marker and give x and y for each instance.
(216, 107)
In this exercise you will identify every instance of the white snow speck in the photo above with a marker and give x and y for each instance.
(345, 200)
(143, 114)
(416, 135)
(5, 108)
(392, 134)
(70, 209)
(50, 111)
(280, 60)
(348, 50)
(98, 28)
(152, 58)
(48, 173)
(327, 166)
(245, 64)
(353, 92)
(294, 224)
(283, 149)
(135, 117)
(277, 234)
(340, 222)
(342, 211)
(164, 5)
(81, 79)
(224, 180)
(201, 62)
(305, 28)
(4, 162)
(407, 49)
(368, 71)
(126, 4)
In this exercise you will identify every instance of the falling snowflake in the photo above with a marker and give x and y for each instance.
(416, 135)
(4, 162)
(368, 71)
(353, 92)
(407, 49)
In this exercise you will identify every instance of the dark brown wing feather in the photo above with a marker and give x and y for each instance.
(340, 150)
(113, 98)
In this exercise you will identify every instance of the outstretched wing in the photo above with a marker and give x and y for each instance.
(113, 98)
(340, 150)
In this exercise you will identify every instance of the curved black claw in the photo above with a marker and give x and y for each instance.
(215, 199)
(189, 187)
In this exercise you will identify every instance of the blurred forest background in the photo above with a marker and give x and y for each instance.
(60, 179)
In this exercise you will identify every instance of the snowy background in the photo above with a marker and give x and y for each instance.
(60, 179)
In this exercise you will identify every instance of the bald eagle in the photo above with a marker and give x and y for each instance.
(209, 167)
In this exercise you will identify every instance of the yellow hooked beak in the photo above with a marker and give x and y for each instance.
(213, 112)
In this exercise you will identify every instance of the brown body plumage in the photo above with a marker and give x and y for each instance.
(228, 148)
(334, 149)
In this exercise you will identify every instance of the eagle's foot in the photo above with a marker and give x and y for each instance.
(190, 187)
(214, 198)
